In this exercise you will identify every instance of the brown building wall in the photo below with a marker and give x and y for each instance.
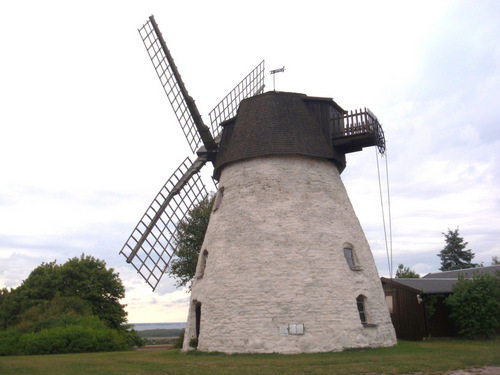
(407, 315)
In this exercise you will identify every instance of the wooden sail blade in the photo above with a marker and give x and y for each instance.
(152, 244)
(183, 105)
(252, 84)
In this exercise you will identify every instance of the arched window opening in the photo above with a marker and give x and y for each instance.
(364, 316)
(350, 257)
(218, 199)
(203, 264)
(204, 259)
(198, 319)
(360, 301)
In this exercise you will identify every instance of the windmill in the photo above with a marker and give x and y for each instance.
(285, 265)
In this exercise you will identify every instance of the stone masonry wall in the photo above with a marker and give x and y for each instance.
(275, 258)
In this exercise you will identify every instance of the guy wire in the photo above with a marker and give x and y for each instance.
(389, 256)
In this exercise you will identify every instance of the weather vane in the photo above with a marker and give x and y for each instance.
(273, 72)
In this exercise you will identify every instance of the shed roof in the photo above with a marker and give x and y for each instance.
(428, 286)
(467, 273)
(442, 282)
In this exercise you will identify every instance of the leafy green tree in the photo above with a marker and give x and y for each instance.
(73, 307)
(85, 278)
(10, 309)
(406, 273)
(89, 279)
(454, 256)
(475, 305)
(189, 239)
(495, 261)
(40, 286)
(60, 309)
(3, 293)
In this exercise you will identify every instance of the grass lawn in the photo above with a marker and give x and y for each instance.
(429, 357)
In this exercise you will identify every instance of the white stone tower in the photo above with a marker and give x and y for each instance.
(285, 266)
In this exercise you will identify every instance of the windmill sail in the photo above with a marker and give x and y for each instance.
(252, 84)
(152, 244)
(183, 105)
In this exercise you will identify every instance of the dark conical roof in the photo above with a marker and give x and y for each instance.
(274, 123)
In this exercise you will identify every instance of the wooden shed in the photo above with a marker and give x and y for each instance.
(407, 311)
(417, 306)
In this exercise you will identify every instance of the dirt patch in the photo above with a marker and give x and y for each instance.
(476, 371)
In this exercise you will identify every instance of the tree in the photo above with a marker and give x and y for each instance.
(475, 305)
(73, 307)
(189, 239)
(3, 293)
(406, 273)
(454, 256)
(86, 278)
(495, 261)
(89, 279)
(56, 311)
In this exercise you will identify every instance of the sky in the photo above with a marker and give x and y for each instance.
(88, 138)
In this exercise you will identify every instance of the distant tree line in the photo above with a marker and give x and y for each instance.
(68, 308)
(150, 333)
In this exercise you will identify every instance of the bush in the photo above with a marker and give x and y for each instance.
(87, 334)
(9, 343)
(133, 337)
(180, 340)
(475, 306)
(193, 343)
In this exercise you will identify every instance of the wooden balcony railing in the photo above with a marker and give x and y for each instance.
(358, 129)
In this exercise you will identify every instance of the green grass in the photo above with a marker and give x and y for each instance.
(430, 357)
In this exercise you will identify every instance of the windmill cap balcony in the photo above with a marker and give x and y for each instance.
(357, 129)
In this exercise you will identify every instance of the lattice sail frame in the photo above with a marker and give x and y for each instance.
(154, 255)
(252, 84)
(164, 69)
(152, 244)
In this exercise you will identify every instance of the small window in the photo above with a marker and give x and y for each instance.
(360, 301)
(349, 257)
(218, 199)
(203, 264)
(363, 313)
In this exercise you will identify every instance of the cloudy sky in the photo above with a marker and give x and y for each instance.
(87, 136)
